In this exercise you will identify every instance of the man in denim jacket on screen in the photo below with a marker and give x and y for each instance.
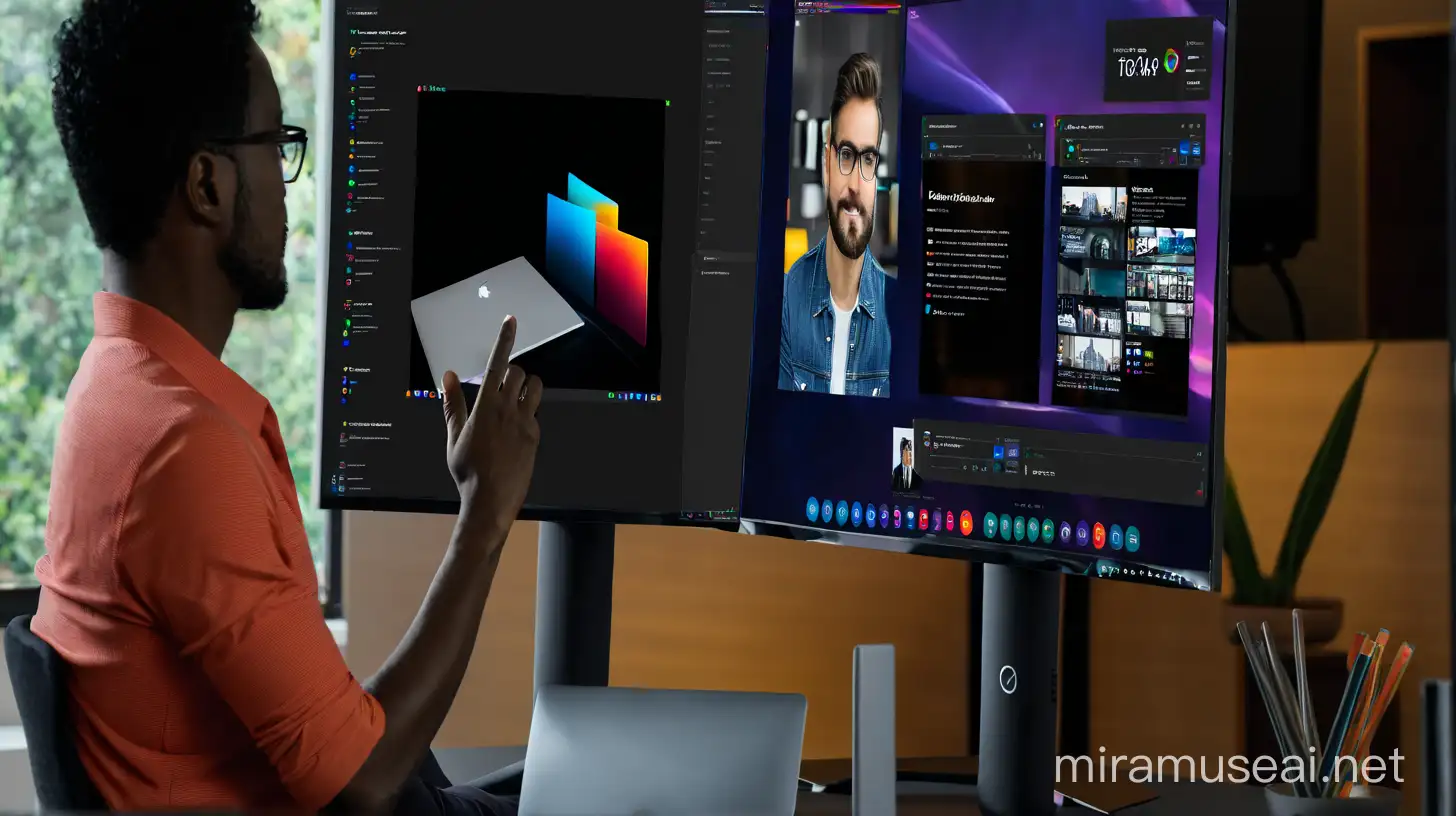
(836, 333)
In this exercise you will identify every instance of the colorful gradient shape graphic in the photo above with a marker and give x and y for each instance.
(1171, 58)
(584, 195)
(621, 274)
(571, 247)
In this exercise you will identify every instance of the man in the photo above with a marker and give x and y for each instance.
(835, 335)
(177, 582)
(906, 479)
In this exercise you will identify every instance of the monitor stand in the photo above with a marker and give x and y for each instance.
(574, 562)
(1021, 615)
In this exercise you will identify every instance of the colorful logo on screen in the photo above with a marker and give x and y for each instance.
(1171, 58)
(593, 261)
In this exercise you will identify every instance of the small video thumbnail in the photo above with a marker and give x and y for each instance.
(1088, 316)
(904, 478)
(1160, 319)
(1099, 282)
(1101, 355)
(516, 215)
(1092, 243)
(1160, 282)
(1162, 245)
(1094, 205)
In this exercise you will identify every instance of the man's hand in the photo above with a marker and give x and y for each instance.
(491, 449)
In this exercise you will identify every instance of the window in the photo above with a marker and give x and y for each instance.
(49, 268)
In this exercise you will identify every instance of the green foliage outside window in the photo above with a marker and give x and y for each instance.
(49, 269)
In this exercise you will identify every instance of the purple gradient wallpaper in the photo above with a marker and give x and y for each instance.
(985, 57)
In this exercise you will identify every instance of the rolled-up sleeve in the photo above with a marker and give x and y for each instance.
(224, 573)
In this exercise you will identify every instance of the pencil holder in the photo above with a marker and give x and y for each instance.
(1364, 800)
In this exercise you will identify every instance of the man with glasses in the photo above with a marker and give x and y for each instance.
(835, 336)
(177, 582)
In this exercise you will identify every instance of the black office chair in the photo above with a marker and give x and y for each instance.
(38, 676)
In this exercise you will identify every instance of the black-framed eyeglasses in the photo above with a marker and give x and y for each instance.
(291, 141)
(867, 159)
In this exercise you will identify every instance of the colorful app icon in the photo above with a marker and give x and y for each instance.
(1114, 537)
(1066, 533)
(988, 526)
(922, 520)
(998, 452)
(870, 514)
(856, 514)
(841, 512)
(826, 511)
(1132, 539)
(1048, 531)
(950, 520)
(884, 517)
(1005, 527)
(1084, 534)
(812, 510)
(1033, 530)
(1018, 528)
(1099, 536)
(936, 519)
(968, 522)
(898, 519)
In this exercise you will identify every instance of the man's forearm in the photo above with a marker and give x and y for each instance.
(417, 684)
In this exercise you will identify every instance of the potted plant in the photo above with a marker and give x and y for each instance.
(1260, 597)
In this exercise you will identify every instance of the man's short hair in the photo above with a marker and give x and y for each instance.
(859, 78)
(139, 88)
(905, 446)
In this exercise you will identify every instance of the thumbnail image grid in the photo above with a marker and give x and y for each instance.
(566, 237)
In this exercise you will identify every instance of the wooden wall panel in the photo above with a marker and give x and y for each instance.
(693, 609)
(1384, 547)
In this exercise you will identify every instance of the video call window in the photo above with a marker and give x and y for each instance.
(840, 242)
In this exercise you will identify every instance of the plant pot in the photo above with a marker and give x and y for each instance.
(1364, 800)
(1321, 617)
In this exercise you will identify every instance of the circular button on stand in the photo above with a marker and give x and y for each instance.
(1114, 537)
(1084, 533)
(1133, 539)
(856, 514)
(1099, 536)
(812, 511)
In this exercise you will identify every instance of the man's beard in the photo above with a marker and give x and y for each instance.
(260, 283)
(854, 245)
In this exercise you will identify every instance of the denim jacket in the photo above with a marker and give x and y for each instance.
(806, 343)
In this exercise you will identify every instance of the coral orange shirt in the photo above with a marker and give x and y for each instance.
(178, 584)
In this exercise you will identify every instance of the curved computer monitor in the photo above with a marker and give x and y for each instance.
(580, 166)
(1023, 363)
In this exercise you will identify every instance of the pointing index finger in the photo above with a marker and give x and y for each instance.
(500, 355)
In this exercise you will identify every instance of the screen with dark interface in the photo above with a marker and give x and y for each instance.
(1022, 353)
(592, 169)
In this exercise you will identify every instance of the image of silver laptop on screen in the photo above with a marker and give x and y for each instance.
(456, 324)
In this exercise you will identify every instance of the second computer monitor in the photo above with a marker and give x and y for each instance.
(995, 323)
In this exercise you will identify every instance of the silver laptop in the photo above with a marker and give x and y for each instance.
(652, 752)
(458, 324)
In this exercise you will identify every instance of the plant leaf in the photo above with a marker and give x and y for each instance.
(1250, 586)
(1319, 486)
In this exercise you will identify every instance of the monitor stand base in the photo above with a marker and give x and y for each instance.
(1021, 615)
